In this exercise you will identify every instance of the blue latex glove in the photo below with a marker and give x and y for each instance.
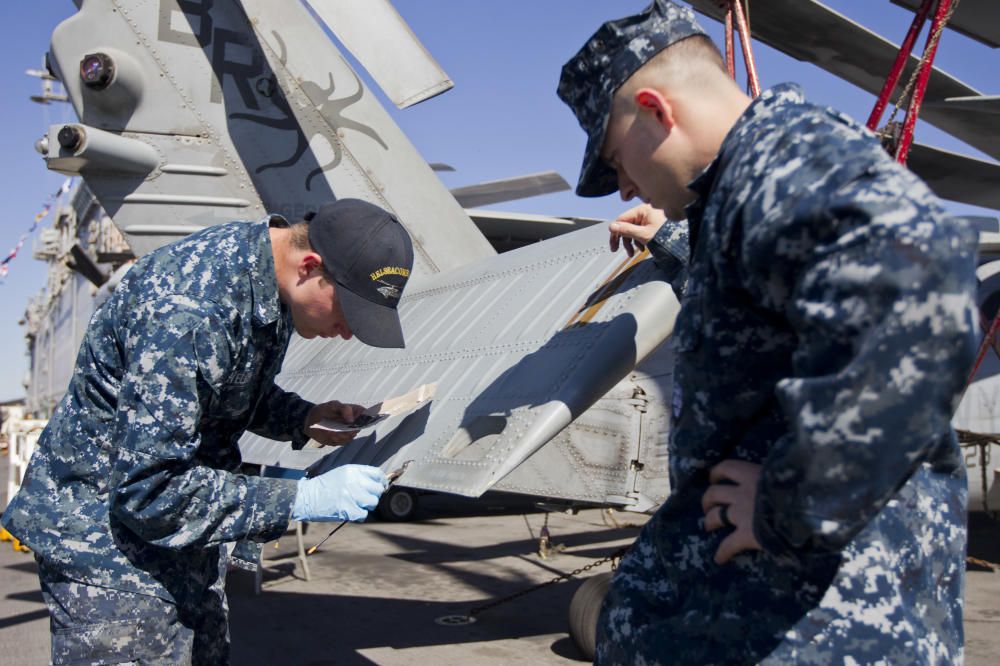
(344, 493)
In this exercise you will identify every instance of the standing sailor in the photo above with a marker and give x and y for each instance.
(818, 494)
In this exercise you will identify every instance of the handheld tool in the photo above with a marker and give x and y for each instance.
(391, 476)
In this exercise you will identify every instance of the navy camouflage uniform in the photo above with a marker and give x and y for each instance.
(825, 333)
(133, 494)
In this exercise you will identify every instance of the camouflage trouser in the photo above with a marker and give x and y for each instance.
(894, 596)
(98, 625)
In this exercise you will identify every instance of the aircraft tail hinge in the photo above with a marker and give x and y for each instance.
(639, 400)
(635, 502)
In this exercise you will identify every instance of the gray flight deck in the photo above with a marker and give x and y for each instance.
(377, 589)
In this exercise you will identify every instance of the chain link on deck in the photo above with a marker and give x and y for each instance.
(613, 558)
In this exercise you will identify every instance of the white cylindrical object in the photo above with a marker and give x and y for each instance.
(98, 150)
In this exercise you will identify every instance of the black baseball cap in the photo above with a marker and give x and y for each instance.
(369, 255)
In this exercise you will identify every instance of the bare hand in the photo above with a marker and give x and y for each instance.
(738, 497)
(636, 226)
(338, 412)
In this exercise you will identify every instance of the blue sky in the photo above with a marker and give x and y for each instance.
(502, 119)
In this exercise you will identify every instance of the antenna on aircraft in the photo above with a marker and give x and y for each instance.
(48, 89)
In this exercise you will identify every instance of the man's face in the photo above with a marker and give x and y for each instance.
(316, 310)
(649, 159)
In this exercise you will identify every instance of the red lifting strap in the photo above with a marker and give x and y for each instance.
(742, 25)
(921, 76)
(988, 340)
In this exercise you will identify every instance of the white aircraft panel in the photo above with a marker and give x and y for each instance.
(518, 346)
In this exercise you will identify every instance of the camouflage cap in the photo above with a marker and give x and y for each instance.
(590, 79)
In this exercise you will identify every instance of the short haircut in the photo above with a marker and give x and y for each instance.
(694, 48)
(299, 240)
(692, 62)
(300, 236)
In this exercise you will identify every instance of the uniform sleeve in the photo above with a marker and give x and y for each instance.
(879, 290)
(175, 351)
(281, 416)
(671, 253)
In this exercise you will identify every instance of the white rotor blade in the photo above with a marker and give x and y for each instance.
(509, 189)
(384, 44)
(978, 19)
(957, 177)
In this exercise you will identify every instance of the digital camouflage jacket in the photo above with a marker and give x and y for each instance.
(825, 333)
(133, 485)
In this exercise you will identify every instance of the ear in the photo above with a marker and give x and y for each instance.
(653, 101)
(309, 263)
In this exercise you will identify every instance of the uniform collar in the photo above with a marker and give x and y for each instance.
(267, 307)
(765, 103)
